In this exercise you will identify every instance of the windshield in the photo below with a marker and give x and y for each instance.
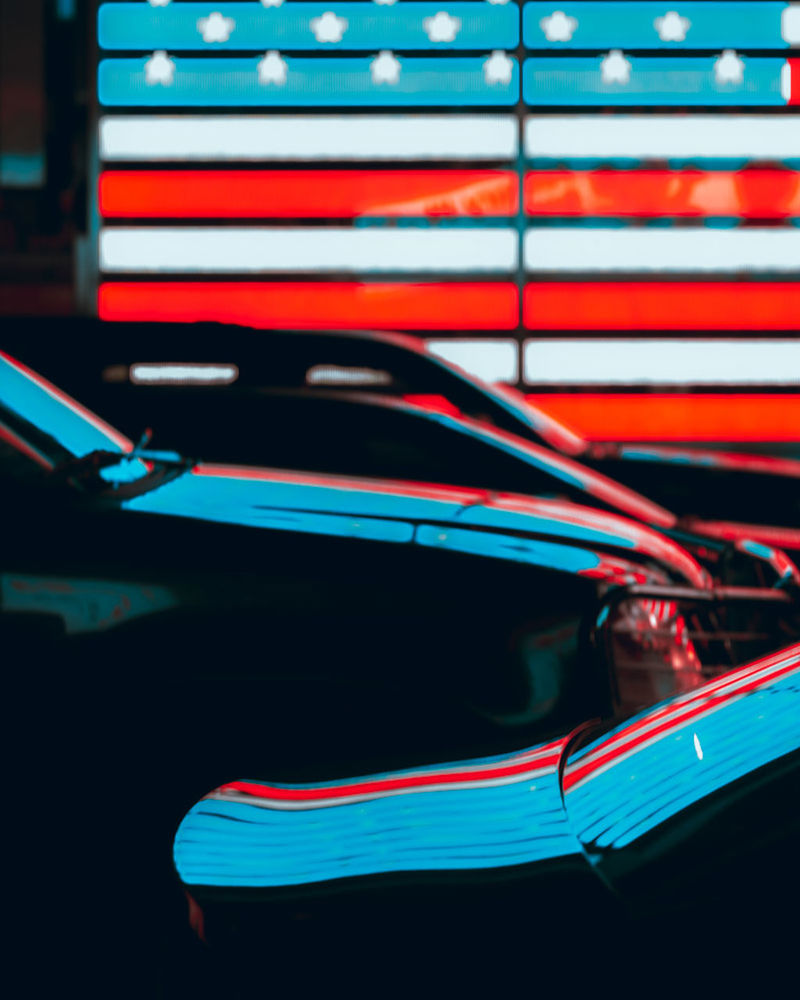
(50, 428)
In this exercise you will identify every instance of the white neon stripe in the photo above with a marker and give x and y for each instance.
(676, 250)
(790, 25)
(663, 136)
(229, 250)
(491, 360)
(662, 362)
(151, 373)
(307, 137)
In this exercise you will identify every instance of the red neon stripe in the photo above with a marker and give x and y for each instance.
(255, 194)
(762, 194)
(794, 64)
(676, 417)
(662, 305)
(394, 784)
(318, 305)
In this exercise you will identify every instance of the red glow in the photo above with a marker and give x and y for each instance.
(781, 538)
(676, 416)
(662, 305)
(762, 194)
(258, 194)
(794, 97)
(435, 404)
(317, 305)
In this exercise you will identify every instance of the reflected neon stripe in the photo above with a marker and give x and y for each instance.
(676, 416)
(317, 305)
(228, 250)
(662, 305)
(253, 194)
(661, 136)
(662, 362)
(759, 194)
(517, 768)
(307, 137)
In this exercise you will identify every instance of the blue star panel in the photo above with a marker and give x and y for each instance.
(668, 25)
(309, 26)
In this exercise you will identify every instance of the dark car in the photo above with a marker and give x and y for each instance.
(383, 406)
(659, 841)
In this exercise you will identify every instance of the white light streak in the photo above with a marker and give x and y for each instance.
(150, 373)
(491, 360)
(765, 137)
(206, 250)
(611, 361)
(307, 137)
(697, 748)
(660, 250)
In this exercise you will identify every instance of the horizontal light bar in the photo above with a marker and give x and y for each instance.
(346, 25)
(307, 137)
(662, 362)
(648, 25)
(227, 250)
(662, 305)
(456, 305)
(667, 250)
(254, 194)
(729, 417)
(617, 79)
(760, 194)
(663, 137)
(150, 373)
(491, 360)
(325, 81)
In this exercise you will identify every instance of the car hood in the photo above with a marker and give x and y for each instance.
(564, 535)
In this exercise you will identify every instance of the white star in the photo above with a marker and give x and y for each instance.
(215, 27)
(385, 68)
(328, 27)
(615, 68)
(729, 68)
(272, 69)
(386, 3)
(559, 27)
(790, 25)
(158, 3)
(442, 27)
(498, 68)
(271, 3)
(672, 27)
(159, 68)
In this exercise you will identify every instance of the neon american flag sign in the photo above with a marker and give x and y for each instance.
(507, 178)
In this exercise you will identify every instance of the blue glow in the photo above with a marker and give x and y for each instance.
(22, 169)
(314, 82)
(617, 806)
(280, 506)
(758, 549)
(653, 81)
(65, 9)
(559, 526)
(369, 26)
(632, 25)
(668, 458)
(233, 843)
(497, 546)
(52, 414)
